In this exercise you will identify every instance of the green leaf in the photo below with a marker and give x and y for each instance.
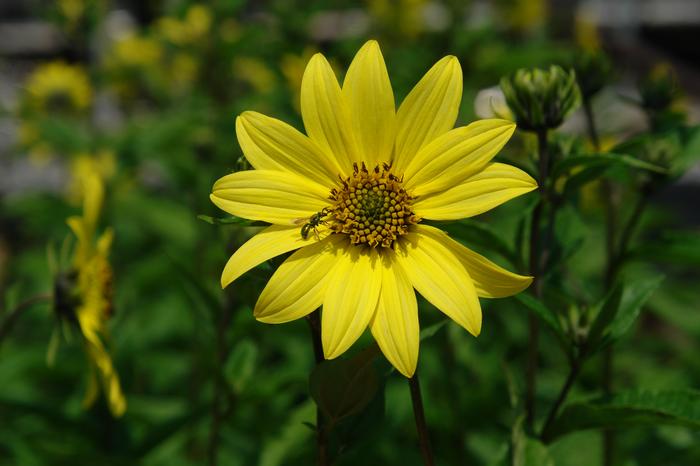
(619, 310)
(241, 364)
(431, 330)
(231, 220)
(603, 159)
(674, 247)
(528, 451)
(343, 387)
(582, 178)
(544, 313)
(480, 234)
(633, 408)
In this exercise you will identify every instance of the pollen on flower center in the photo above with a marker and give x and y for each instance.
(371, 207)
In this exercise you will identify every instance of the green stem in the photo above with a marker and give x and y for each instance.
(536, 259)
(421, 426)
(223, 398)
(314, 321)
(12, 316)
(563, 393)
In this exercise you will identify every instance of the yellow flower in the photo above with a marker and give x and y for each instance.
(352, 197)
(57, 86)
(93, 296)
(84, 166)
(193, 28)
(255, 73)
(135, 52)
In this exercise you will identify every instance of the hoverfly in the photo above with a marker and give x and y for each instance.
(312, 223)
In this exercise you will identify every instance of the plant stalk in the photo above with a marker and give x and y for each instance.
(8, 323)
(421, 426)
(563, 393)
(536, 257)
(323, 458)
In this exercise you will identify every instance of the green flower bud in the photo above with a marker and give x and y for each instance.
(541, 99)
(593, 71)
(659, 90)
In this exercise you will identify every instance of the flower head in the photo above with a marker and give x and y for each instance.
(541, 99)
(83, 296)
(352, 198)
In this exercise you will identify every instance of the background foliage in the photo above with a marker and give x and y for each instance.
(205, 382)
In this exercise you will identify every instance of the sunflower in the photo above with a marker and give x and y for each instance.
(84, 296)
(352, 199)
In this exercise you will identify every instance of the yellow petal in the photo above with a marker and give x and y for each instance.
(270, 196)
(271, 242)
(271, 144)
(370, 100)
(92, 203)
(439, 276)
(491, 187)
(456, 155)
(299, 284)
(325, 113)
(350, 300)
(395, 324)
(428, 111)
(490, 280)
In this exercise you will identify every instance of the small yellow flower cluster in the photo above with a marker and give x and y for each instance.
(57, 87)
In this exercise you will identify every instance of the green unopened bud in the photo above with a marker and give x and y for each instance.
(593, 72)
(541, 99)
(659, 89)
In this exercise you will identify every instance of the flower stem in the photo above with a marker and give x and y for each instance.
(12, 316)
(314, 321)
(536, 259)
(563, 393)
(421, 426)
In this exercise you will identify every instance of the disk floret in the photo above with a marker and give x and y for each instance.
(371, 207)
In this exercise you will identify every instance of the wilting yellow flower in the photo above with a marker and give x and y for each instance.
(58, 87)
(93, 296)
(352, 197)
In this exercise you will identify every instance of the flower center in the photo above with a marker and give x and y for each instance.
(371, 207)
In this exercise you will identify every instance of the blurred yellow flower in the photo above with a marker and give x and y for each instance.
(84, 166)
(255, 73)
(405, 17)
(92, 296)
(351, 196)
(525, 15)
(183, 71)
(586, 32)
(135, 51)
(193, 28)
(58, 87)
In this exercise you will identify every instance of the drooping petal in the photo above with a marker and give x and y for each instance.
(351, 299)
(456, 155)
(428, 111)
(370, 100)
(271, 144)
(490, 280)
(270, 196)
(491, 187)
(439, 276)
(297, 287)
(395, 324)
(270, 242)
(325, 113)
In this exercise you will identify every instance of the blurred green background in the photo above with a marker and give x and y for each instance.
(145, 93)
